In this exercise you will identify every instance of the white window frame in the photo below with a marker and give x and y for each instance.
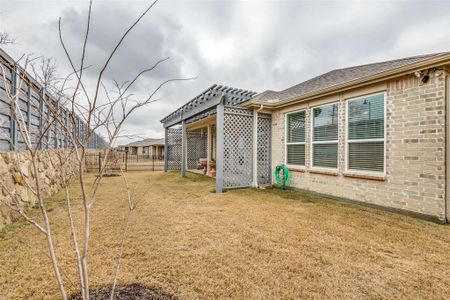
(296, 143)
(348, 141)
(312, 142)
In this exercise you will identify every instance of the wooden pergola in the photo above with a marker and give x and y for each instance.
(209, 110)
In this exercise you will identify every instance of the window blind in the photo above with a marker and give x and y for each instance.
(296, 154)
(325, 136)
(366, 156)
(296, 127)
(326, 123)
(366, 118)
(365, 133)
(295, 138)
(325, 155)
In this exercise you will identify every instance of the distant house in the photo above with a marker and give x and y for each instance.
(376, 133)
(150, 147)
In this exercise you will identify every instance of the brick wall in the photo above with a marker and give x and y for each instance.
(415, 150)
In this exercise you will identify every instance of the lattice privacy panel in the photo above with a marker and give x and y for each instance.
(196, 147)
(238, 132)
(173, 149)
(264, 149)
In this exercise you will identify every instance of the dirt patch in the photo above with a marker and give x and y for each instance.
(112, 175)
(129, 292)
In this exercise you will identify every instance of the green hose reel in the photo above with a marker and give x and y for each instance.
(282, 176)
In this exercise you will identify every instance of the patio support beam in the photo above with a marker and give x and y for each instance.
(255, 149)
(166, 149)
(183, 148)
(208, 149)
(255, 146)
(219, 147)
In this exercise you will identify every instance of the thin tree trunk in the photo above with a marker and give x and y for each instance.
(74, 239)
(49, 233)
(119, 259)
(84, 263)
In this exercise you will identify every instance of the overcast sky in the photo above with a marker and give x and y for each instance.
(254, 45)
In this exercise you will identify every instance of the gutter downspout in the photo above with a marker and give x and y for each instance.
(255, 146)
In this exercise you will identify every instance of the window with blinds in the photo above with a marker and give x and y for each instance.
(295, 138)
(325, 134)
(365, 134)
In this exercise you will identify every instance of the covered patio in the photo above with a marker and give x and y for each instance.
(212, 135)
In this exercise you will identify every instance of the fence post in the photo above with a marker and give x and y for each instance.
(29, 108)
(126, 161)
(12, 124)
(99, 162)
(153, 164)
(41, 116)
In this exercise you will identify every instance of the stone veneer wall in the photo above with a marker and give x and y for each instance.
(16, 170)
(415, 151)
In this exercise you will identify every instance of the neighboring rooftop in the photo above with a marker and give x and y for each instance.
(337, 77)
(145, 142)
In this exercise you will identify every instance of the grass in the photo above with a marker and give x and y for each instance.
(243, 244)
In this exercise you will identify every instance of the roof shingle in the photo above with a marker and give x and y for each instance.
(336, 77)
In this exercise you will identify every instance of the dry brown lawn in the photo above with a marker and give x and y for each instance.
(243, 244)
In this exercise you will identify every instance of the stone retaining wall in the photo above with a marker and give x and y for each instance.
(16, 171)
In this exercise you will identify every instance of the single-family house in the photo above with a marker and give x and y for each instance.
(375, 133)
(149, 147)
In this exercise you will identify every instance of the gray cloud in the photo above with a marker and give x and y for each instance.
(255, 45)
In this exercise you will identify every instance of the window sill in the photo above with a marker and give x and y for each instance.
(323, 171)
(379, 177)
(296, 168)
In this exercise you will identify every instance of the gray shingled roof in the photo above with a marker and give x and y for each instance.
(146, 142)
(337, 77)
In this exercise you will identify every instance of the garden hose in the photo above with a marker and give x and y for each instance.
(282, 176)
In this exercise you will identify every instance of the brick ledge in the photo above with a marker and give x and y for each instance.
(365, 176)
(296, 169)
(323, 171)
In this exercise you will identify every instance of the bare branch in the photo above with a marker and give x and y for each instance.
(117, 47)
(6, 39)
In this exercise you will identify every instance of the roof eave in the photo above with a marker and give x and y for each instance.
(187, 103)
(217, 94)
(382, 76)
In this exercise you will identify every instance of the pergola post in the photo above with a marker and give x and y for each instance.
(208, 149)
(166, 149)
(183, 148)
(219, 147)
(255, 149)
